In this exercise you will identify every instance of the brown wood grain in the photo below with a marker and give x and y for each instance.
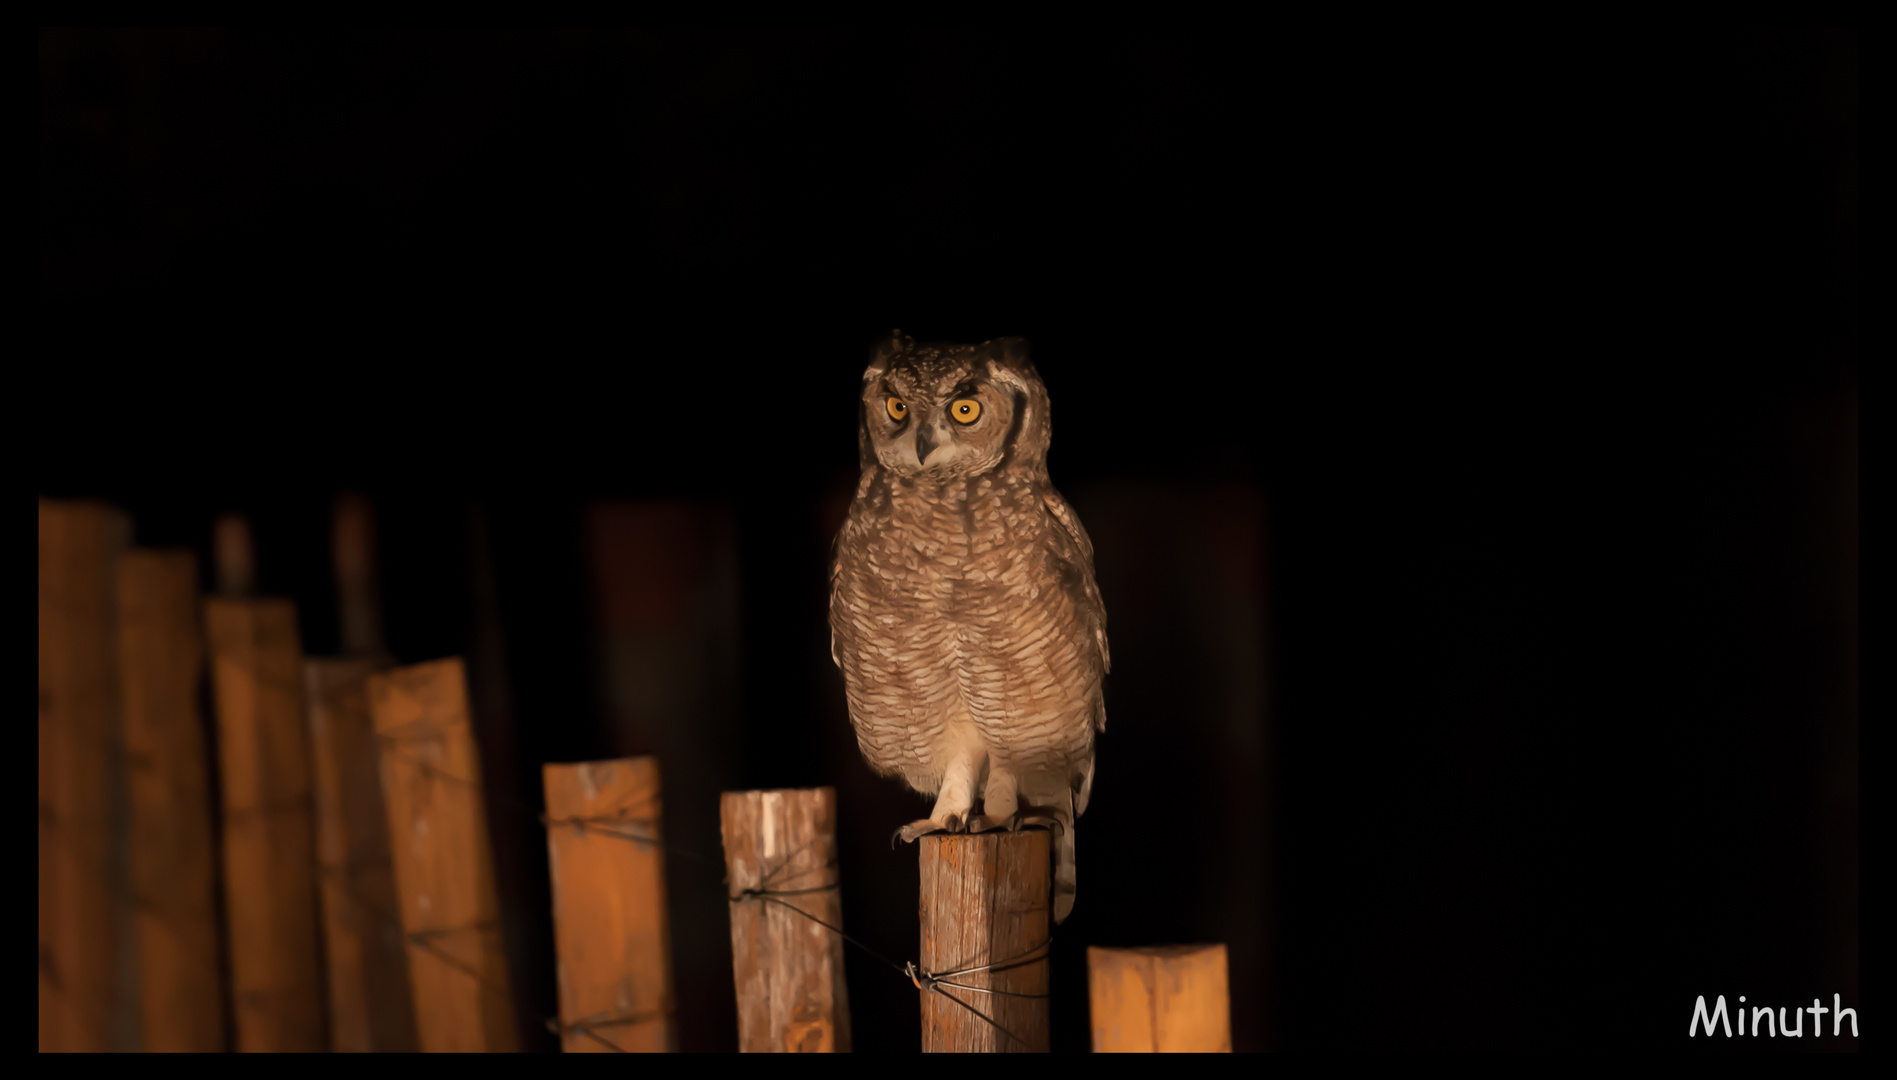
(1159, 999)
(789, 971)
(985, 899)
(263, 752)
(85, 998)
(173, 839)
(371, 1002)
(611, 931)
(444, 863)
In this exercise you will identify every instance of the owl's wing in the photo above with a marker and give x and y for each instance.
(1076, 553)
(836, 577)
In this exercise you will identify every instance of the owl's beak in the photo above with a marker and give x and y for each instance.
(924, 444)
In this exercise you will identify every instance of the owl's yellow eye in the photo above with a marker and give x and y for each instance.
(897, 410)
(966, 411)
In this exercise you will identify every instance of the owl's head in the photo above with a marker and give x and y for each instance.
(946, 411)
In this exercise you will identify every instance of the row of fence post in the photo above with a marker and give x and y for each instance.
(359, 908)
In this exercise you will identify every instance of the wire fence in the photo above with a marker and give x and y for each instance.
(618, 828)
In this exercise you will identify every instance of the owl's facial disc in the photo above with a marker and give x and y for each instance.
(939, 419)
(925, 445)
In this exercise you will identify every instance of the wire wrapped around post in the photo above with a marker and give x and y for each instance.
(611, 931)
(781, 870)
(444, 864)
(985, 906)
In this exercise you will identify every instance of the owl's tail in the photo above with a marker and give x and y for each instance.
(1064, 860)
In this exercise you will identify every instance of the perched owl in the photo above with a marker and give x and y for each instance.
(963, 609)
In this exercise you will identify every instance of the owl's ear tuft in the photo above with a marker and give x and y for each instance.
(894, 344)
(1012, 352)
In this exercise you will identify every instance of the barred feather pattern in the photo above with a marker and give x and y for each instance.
(963, 603)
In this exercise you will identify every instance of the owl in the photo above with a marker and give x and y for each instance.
(963, 609)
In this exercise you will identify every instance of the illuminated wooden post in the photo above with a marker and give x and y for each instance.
(263, 753)
(986, 900)
(789, 970)
(173, 838)
(444, 868)
(1159, 999)
(611, 933)
(84, 902)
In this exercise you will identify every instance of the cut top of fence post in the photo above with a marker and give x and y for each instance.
(1159, 999)
(623, 789)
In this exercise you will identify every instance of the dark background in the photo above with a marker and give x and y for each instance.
(1526, 367)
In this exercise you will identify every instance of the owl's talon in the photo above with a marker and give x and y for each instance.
(981, 823)
(915, 830)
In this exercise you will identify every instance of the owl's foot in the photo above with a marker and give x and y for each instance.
(999, 800)
(915, 830)
(1014, 822)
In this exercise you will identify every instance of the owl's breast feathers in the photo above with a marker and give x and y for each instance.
(970, 599)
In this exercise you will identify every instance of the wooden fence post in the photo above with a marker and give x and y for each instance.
(1159, 999)
(263, 752)
(84, 998)
(358, 602)
(444, 865)
(985, 901)
(371, 1002)
(789, 971)
(611, 933)
(173, 842)
(372, 1005)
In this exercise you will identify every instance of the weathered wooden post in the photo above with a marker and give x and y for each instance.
(780, 853)
(444, 868)
(263, 752)
(611, 934)
(84, 903)
(1159, 999)
(985, 924)
(173, 838)
(371, 1002)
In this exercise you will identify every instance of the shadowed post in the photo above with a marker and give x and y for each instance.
(1167, 999)
(371, 1001)
(370, 997)
(263, 753)
(444, 869)
(985, 901)
(173, 842)
(789, 970)
(84, 997)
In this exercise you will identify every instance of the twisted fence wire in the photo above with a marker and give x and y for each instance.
(930, 982)
(615, 828)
